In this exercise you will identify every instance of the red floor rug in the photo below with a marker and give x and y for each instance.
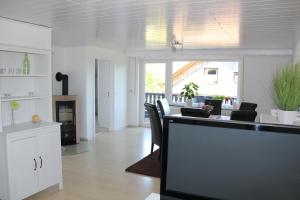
(149, 166)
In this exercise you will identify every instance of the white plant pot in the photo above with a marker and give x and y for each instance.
(274, 112)
(286, 117)
(189, 103)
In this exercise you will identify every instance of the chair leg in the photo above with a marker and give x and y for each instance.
(152, 146)
(159, 156)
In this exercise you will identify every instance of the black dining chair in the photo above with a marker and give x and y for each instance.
(217, 104)
(243, 115)
(248, 106)
(194, 112)
(156, 128)
(164, 107)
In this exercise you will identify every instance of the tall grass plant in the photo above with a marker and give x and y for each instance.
(287, 87)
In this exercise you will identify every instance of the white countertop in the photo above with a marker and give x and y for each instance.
(26, 126)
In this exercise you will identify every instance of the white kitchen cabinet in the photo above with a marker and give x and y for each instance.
(32, 159)
(48, 144)
(22, 167)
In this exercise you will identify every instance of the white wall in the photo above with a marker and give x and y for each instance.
(133, 91)
(79, 64)
(58, 65)
(297, 44)
(75, 63)
(258, 80)
(297, 50)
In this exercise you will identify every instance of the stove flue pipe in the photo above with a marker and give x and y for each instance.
(65, 79)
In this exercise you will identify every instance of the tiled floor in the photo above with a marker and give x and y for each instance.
(99, 173)
(82, 147)
(99, 128)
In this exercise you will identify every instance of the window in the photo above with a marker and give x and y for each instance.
(235, 77)
(155, 78)
(154, 83)
(211, 75)
(213, 78)
(210, 71)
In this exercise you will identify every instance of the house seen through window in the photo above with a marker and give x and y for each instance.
(213, 78)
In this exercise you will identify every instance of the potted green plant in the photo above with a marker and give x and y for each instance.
(189, 91)
(220, 97)
(287, 93)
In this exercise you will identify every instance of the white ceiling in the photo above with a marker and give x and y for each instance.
(152, 24)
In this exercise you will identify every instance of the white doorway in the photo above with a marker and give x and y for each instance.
(104, 95)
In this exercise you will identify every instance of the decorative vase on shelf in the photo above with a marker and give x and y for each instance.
(26, 65)
(14, 105)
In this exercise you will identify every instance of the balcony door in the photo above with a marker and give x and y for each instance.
(217, 79)
(154, 79)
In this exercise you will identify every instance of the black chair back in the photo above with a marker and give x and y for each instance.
(217, 104)
(156, 128)
(164, 107)
(243, 115)
(248, 106)
(194, 112)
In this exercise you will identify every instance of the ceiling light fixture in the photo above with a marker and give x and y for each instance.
(176, 44)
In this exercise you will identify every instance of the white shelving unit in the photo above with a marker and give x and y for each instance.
(22, 75)
(22, 98)
(33, 91)
(30, 153)
(1, 129)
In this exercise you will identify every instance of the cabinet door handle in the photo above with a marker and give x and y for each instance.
(35, 164)
(41, 162)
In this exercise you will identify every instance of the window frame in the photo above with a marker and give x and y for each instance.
(168, 77)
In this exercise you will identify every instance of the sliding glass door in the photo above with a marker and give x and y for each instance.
(217, 79)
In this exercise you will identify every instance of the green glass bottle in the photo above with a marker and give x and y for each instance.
(26, 65)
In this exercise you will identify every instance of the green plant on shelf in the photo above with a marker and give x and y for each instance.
(190, 90)
(220, 97)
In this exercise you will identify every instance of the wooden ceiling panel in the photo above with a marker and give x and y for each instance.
(139, 24)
